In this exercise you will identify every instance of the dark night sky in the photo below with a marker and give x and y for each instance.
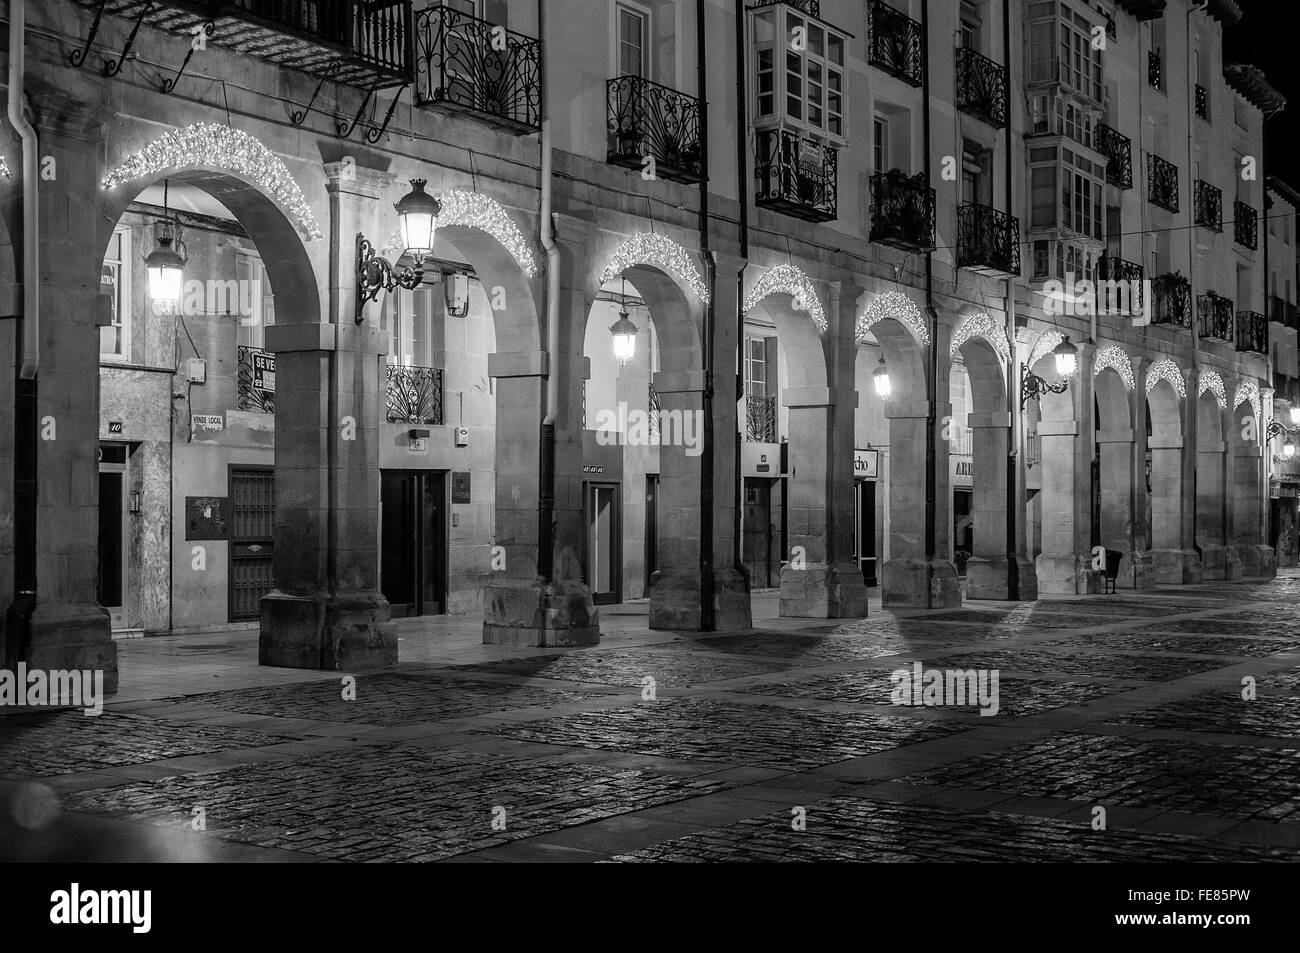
(1265, 38)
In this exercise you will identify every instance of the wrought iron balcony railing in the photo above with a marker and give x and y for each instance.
(980, 88)
(1202, 102)
(652, 408)
(988, 241)
(902, 210)
(255, 380)
(1207, 203)
(1162, 183)
(1112, 268)
(895, 42)
(1215, 317)
(650, 121)
(1252, 332)
(1171, 296)
(760, 418)
(810, 7)
(1155, 70)
(414, 395)
(796, 176)
(1245, 226)
(363, 43)
(1284, 313)
(466, 64)
(1118, 150)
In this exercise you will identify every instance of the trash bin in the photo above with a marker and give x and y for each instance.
(1113, 557)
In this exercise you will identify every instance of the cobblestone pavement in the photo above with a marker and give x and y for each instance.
(778, 743)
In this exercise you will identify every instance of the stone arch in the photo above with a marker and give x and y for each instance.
(982, 344)
(897, 324)
(1116, 448)
(1166, 390)
(1213, 459)
(1174, 561)
(788, 298)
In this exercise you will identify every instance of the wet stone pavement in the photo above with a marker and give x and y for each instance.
(1176, 712)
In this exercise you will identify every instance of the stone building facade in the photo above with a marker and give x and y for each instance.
(850, 285)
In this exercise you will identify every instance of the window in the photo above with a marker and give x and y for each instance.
(1040, 52)
(972, 24)
(408, 321)
(256, 302)
(631, 26)
(1042, 113)
(976, 182)
(1081, 196)
(756, 366)
(1080, 62)
(115, 285)
(880, 143)
(1043, 197)
(811, 72)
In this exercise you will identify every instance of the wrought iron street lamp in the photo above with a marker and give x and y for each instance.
(165, 265)
(881, 379)
(624, 332)
(417, 219)
(1277, 429)
(1032, 387)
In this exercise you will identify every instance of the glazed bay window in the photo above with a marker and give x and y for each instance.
(115, 286)
(1080, 63)
(800, 71)
(1081, 193)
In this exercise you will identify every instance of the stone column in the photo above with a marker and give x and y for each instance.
(989, 568)
(1119, 529)
(1247, 525)
(68, 628)
(519, 606)
(1211, 498)
(326, 610)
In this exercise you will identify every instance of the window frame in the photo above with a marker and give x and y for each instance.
(251, 328)
(646, 16)
(123, 303)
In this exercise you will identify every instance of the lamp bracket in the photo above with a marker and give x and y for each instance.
(112, 67)
(208, 29)
(375, 274)
(1032, 387)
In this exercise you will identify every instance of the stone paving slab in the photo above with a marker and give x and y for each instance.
(668, 669)
(1276, 716)
(1147, 641)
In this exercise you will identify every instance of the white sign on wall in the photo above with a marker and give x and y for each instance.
(866, 464)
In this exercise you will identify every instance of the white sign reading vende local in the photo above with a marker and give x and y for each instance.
(208, 421)
(866, 464)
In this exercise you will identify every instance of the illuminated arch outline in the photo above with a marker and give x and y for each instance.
(1211, 381)
(981, 326)
(788, 279)
(891, 304)
(211, 145)
(1114, 356)
(476, 210)
(660, 251)
(1248, 390)
(1044, 345)
(1166, 370)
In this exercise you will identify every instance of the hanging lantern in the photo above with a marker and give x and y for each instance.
(881, 377)
(1288, 448)
(455, 293)
(624, 332)
(1295, 414)
(165, 265)
(417, 219)
(1067, 358)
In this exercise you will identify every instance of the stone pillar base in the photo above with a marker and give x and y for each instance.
(1258, 561)
(1214, 561)
(1232, 565)
(349, 630)
(1065, 574)
(987, 578)
(1137, 571)
(917, 584)
(823, 591)
(1176, 567)
(675, 601)
(533, 613)
(72, 636)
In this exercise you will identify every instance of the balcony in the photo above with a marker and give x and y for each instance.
(1162, 183)
(1143, 10)
(1245, 226)
(1113, 270)
(647, 120)
(902, 211)
(1155, 70)
(354, 42)
(810, 7)
(255, 380)
(796, 175)
(980, 87)
(1202, 102)
(1252, 332)
(414, 395)
(895, 42)
(760, 418)
(460, 66)
(1118, 150)
(1171, 296)
(988, 241)
(1284, 313)
(652, 410)
(1207, 204)
(1215, 318)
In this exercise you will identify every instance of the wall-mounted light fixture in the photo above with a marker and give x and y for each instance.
(1032, 387)
(417, 219)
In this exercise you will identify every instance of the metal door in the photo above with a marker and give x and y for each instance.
(252, 539)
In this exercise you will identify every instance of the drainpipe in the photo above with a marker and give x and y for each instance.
(742, 196)
(708, 616)
(932, 384)
(1013, 573)
(18, 617)
(551, 398)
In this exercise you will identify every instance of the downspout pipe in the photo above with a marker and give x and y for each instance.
(551, 397)
(708, 615)
(932, 382)
(1013, 570)
(742, 197)
(18, 616)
